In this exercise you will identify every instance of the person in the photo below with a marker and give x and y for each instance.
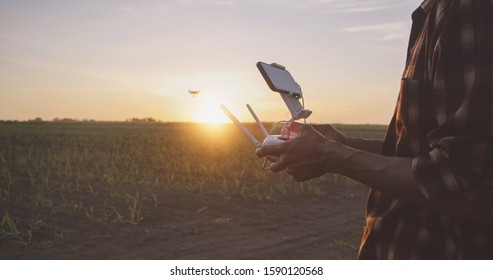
(431, 178)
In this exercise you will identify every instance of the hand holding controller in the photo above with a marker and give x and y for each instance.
(289, 129)
(281, 81)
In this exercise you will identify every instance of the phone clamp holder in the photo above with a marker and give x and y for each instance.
(279, 80)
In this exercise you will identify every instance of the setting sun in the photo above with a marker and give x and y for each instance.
(211, 115)
(207, 111)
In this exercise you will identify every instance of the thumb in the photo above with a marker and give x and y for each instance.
(272, 150)
(309, 130)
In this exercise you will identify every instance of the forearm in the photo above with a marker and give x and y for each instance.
(393, 176)
(373, 146)
(369, 145)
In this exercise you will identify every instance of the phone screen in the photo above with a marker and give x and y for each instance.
(278, 79)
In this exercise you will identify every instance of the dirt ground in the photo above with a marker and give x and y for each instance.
(185, 226)
(82, 199)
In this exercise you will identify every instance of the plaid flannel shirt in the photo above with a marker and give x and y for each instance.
(444, 121)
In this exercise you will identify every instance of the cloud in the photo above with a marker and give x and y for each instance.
(224, 3)
(127, 9)
(375, 27)
(356, 6)
(384, 31)
(218, 3)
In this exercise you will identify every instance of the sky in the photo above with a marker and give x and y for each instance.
(115, 60)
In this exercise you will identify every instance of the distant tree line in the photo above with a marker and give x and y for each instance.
(143, 120)
(68, 120)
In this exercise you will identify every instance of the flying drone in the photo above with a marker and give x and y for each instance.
(194, 92)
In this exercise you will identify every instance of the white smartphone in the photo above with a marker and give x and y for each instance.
(280, 80)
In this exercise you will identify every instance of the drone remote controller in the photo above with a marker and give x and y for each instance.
(280, 80)
(289, 130)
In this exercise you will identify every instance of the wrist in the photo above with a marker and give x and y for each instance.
(335, 156)
(373, 146)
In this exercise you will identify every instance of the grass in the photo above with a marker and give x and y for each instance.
(110, 173)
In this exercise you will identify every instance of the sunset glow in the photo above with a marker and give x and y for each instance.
(114, 60)
(208, 112)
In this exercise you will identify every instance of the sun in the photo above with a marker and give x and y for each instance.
(209, 112)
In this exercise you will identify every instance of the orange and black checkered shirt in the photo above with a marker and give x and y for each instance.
(444, 121)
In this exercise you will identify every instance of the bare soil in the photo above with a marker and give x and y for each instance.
(188, 226)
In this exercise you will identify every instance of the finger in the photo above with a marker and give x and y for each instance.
(311, 130)
(286, 161)
(278, 165)
(305, 173)
(307, 129)
(271, 150)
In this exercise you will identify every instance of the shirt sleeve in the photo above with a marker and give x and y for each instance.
(460, 160)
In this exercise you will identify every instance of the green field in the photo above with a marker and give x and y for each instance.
(116, 173)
